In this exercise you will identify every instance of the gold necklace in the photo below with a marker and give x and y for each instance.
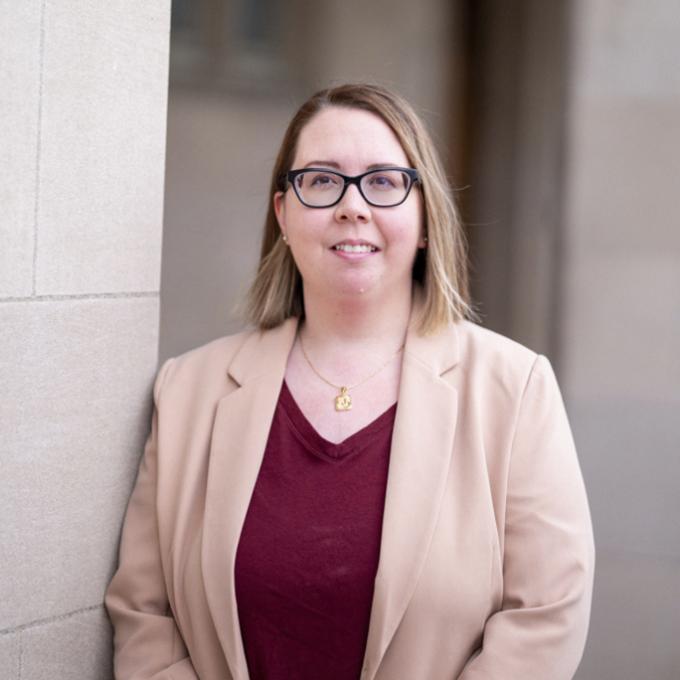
(343, 401)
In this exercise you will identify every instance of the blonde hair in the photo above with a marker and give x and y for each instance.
(441, 267)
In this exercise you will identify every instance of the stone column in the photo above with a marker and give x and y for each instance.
(83, 90)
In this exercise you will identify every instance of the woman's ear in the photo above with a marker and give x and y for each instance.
(280, 210)
(422, 235)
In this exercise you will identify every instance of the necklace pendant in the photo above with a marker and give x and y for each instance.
(343, 402)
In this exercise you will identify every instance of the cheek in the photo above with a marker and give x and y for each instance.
(407, 230)
(305, 244)
(305, 234)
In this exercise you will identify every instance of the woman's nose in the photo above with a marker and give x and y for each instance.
(352, 206)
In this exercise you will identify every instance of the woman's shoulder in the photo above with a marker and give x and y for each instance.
(481, 342)
(205, 365)
(217, 366)
(217, 350)
(490, 357)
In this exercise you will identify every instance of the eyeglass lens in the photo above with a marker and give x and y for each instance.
(382, 187)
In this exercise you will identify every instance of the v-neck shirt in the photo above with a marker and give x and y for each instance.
(309, 548)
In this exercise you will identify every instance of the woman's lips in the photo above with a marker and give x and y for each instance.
(361, 248)
(354, 251)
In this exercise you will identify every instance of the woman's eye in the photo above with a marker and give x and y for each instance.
(322, 181)
(382, 182)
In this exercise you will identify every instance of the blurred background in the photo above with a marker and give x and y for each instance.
(559, 125)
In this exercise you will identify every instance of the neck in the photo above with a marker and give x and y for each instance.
(356, 323)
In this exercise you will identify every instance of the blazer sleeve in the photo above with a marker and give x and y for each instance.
(549, 555)
(147, 642)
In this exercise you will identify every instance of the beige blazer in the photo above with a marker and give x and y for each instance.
(486, 561)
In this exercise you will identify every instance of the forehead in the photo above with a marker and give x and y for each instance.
(352, 138)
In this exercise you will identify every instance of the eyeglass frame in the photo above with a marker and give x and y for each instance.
(411, 173)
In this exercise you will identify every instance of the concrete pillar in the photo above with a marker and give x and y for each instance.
(82, 130)
(516, 76)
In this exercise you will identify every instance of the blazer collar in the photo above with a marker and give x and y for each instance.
(418, 467)
(264, 353)
(438, 352)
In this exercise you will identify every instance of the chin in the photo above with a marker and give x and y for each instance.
(357, 285)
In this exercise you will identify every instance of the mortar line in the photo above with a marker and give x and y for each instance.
(50, 619)
(83, 296)
(38, 146)
(21, 657)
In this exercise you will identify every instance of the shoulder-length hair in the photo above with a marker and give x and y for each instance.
(441, 268)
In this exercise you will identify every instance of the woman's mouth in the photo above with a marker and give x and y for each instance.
(347, 248)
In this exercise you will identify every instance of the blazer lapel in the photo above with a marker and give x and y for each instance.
(242, 422)
(422, 445)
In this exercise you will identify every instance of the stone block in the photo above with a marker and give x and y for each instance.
(77, 646)
(10, 653)
(77, 379)
(102, 147)
(20, 55)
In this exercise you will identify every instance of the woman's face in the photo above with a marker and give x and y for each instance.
(351, 141)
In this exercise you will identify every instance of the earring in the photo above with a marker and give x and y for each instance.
(285, 238)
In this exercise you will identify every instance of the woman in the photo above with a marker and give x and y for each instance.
(368, 484)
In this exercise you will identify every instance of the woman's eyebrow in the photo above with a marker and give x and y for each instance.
(327, 164)
(333, 164)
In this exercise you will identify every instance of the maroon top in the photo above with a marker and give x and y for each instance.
(309, 548)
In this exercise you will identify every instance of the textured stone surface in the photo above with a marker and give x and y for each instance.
(102, 146)
(20, 56)
(74, 647)
(79, 373)
(10, 652)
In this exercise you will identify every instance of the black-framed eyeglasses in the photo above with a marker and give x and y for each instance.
(323, 188)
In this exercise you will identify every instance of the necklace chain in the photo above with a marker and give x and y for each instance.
(343, 401)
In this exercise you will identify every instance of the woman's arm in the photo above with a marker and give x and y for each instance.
(549, 555)
(147, 643)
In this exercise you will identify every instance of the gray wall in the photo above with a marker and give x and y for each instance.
(82, 139)
(620, 320)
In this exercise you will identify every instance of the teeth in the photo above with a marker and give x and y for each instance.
(355, 249)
